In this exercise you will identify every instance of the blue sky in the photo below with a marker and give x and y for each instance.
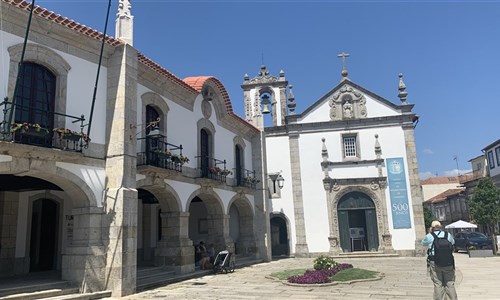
(448, 51)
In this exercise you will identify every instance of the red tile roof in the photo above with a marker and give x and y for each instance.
(58, 19)
(444, 195)
(197, 83)
(159, 69)
(440, 180)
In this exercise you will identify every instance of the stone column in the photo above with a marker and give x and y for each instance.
(301, 248)
(415, 188)
(8, 228)
(283, 105)
(217, 224)
(121, 194)
(175, 249)
(84, 259)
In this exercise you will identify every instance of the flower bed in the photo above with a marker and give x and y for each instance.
(318, 276)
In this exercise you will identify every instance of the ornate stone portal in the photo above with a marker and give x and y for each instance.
(373, 188)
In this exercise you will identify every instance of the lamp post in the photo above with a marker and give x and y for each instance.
(277, 178)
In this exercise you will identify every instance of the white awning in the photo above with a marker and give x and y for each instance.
(461, 224)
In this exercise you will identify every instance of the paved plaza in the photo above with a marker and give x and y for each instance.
(404, 278)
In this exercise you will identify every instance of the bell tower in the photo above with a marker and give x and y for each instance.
(124, 29)
(265, 95)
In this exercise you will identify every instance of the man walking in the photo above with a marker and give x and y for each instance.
(440, 261)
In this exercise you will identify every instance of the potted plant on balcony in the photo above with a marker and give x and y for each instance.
(163, 154)
(218, 171)
(29, 129)
(251, 180)
(70, 135)
(179, 159)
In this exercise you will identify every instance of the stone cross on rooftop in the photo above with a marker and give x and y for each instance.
(344, 70)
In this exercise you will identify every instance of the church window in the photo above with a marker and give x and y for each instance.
(350, 146)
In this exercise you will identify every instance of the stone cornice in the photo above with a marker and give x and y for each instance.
(353, 162)
(335, 184)
(329, 126)
(249, 86)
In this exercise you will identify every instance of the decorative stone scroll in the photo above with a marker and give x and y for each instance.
(347, 103)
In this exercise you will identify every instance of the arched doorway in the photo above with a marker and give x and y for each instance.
(44, 239)
(357, 223)
(279, 236)
(149, 228)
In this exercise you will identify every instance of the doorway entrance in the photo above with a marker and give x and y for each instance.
(357, 223)
(43, 240)
(279, 236)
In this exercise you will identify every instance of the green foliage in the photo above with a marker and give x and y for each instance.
(353, 274)
(485, 203)
(324, 262)
(283, 275)
(428, 217)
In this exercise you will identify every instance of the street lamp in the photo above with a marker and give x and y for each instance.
(277, 178)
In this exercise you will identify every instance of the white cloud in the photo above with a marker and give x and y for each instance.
(425, 175)
(453, 172)
(428, 151)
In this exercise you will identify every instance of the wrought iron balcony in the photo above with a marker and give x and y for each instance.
(161, 154)
(41, 132)
(246, 178)
(213, 168)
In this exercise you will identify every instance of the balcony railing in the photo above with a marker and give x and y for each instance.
(213, 168)
(246, 178)
(471, 176)
(41, 134)
(161, 154)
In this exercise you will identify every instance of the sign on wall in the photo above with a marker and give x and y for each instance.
(398, 193)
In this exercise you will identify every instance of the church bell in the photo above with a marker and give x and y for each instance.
(265, 109)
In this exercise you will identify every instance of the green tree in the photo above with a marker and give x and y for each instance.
(485, 206)
(428, 217)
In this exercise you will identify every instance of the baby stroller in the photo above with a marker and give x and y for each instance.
(224, 262)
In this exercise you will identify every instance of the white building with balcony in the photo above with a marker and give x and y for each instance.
(96, 184)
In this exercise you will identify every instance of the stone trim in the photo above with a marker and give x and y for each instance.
(329, 126)
(301, 247)
(156, 101)
(375, 190)
(51, 60)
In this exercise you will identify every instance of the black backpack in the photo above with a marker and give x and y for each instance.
(443, 251)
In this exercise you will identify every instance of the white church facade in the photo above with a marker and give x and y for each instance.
(104, 176)
(350, 168)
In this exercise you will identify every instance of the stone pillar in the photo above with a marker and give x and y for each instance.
(218, 224)
(246, 243)
(283, 105)
(301, 248)
(415, 188)
(175, 249)
(261, 222)
(84, 259)
(8, 229)
(121, 194)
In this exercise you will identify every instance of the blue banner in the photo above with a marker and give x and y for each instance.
(398, 192)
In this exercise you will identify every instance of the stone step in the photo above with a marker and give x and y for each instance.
(365, 254)
(84, 296)
(13, 287)
(40, 294)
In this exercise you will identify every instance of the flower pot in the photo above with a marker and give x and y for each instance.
(72, 137)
